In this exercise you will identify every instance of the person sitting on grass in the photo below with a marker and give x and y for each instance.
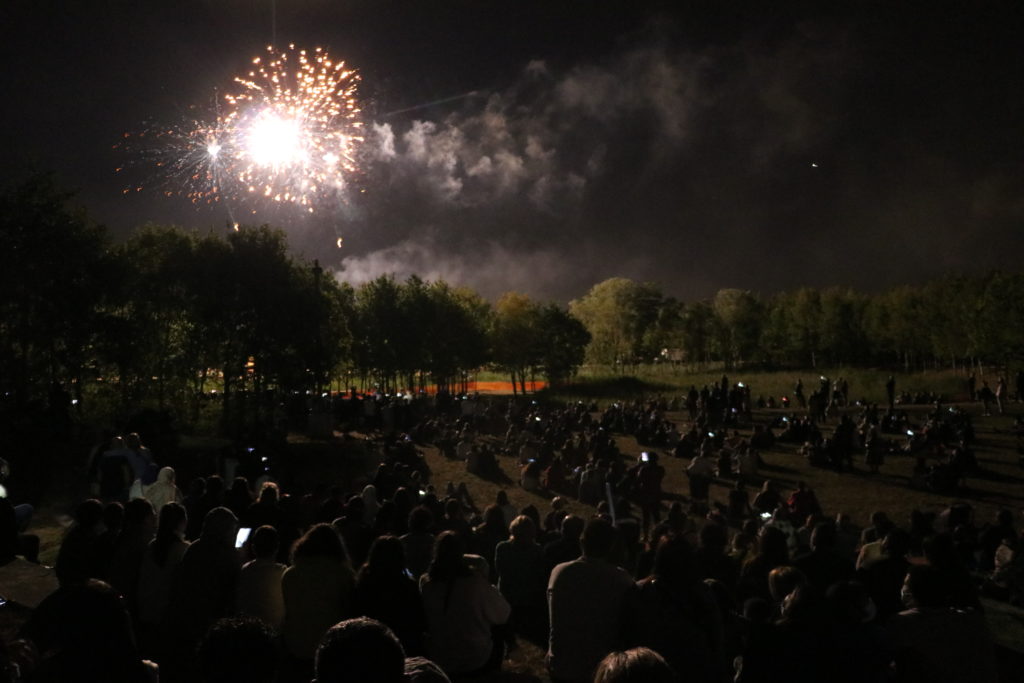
(462, 609)
(674, 613)
(259, 584)
(385, 592)
(317, 590)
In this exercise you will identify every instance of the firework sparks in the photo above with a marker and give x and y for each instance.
(294, 126)
(286, 134)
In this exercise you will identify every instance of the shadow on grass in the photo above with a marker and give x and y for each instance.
(605, 387)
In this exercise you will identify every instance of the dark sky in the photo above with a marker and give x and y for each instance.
(701, 145)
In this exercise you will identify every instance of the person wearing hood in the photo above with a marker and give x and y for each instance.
(164, 490)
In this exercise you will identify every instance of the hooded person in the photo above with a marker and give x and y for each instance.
(370, 504)
(164, 490)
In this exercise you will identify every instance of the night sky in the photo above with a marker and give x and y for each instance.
(546, 145)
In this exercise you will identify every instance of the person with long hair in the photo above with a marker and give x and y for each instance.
(385, 592)
(772, 551)
(486, 537)
(522, 578)
(317, 590)
(160, 561)
(462, 609)
(239, 497)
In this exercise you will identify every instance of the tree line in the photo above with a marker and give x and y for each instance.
(168, 316)
(954, 321)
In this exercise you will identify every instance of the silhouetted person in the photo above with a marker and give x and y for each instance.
(638, 665)
(203, 589)
(823, 566)
(566, 547)
(78, 559)
(385, 592)
(317, 589)
(674, 613)
(359, 651)
(259, 593)
(935, 643)
(238, 650)
(462, 610)
(586, 598)
(86, 632)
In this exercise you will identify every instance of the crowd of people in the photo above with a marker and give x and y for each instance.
(402, 579)
(795, 597)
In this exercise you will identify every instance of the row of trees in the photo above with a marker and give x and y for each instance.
(168, 315)
(952, 321)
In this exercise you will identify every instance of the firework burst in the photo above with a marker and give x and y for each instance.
(286, 133)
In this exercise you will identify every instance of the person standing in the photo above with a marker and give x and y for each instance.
(1000, 394)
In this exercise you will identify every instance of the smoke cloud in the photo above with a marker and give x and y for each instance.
(499, 194)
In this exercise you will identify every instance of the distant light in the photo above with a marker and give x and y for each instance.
(814, 165)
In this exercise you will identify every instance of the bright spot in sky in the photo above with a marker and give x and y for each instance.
(213, 149)
(275, 141)
(814, 165)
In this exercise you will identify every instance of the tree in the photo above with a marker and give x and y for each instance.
(456, 341)
(380, 326)
(842, 329)
(515, 336)
(699, 328)
(54, 275)
(563, 343)
(740, 315)
(618, 313)
(146, 323)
